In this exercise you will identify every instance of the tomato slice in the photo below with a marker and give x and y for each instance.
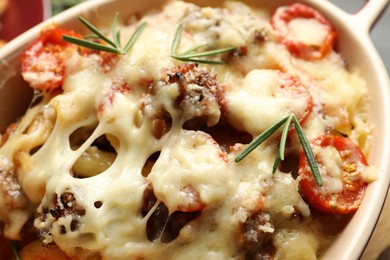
(292, 88)
(43, 61)
(276, 93)
(341, 163)
(281, 20)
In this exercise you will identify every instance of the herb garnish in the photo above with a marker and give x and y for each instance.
(191, 54)
(14, 250)
(280, 155)
(114, 45)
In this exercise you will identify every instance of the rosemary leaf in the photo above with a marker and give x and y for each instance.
(190, 50)
(283, 139)
(113, 46)
(190, 54)
(308, 152)
(117, 38)
(206, 53)
(91, 36)
(14, 250)
(97, 32)
(90, 44)
(199, 60)
(115, 33)
(276, 162)
(260, 139)
(176, 39)
(134, 37)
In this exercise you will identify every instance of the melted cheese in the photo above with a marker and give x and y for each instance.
(262, 98)
(102, 215)
(308, 31)
(331, 168)
(191, 160)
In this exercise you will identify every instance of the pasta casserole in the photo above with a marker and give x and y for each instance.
(227, 132)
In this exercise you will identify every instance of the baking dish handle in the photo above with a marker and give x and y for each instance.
(366, 17)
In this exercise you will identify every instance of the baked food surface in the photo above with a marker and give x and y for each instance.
(132, 156)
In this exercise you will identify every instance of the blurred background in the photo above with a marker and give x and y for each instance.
(60, 5)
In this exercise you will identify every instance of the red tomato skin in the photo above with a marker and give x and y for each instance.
(354, 188)
(285, 14)
(47, 55)
(54, 36)
(295, 89)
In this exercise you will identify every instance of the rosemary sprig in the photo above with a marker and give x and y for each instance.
(259, 140)
(280, 154)
(114, 45)
(191, 54)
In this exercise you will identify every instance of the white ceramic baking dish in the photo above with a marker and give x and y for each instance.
(353, 42)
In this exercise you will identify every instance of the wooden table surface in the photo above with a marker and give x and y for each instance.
(380, 239)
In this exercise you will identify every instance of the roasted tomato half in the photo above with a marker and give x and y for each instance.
(305, 32)
(341, 163)
(43, 62)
